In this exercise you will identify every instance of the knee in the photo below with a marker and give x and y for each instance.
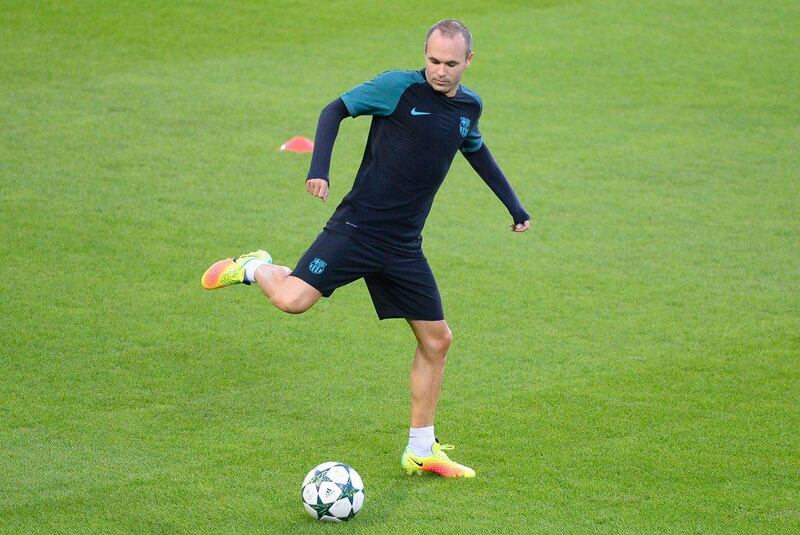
(438, 344)
(291, 304)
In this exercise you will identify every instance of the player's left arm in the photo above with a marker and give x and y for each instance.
(487, 168)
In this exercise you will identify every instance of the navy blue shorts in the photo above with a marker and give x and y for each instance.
(400, 286)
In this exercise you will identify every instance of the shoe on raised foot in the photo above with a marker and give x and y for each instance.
(230, 271)
(437, 463)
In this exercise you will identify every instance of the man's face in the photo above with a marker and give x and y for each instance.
(445, 61)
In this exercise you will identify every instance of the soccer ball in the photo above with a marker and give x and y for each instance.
(333, 492)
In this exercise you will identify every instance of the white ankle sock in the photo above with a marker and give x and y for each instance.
(421, 439)
(250, 269)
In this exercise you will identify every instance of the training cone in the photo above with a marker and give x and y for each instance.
(298, 144)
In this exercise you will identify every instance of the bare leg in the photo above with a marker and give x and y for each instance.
(289, 294)
(427, 369)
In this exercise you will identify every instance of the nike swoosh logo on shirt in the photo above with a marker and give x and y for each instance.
(415, 112)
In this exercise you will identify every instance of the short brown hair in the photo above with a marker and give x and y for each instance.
(450, 28)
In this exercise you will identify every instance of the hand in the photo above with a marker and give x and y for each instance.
(318, 187)
(521, 227)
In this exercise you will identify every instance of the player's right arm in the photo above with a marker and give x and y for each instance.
(378, 96)
(318, 181)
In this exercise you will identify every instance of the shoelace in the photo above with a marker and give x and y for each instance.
(446, 447)
(245, 258)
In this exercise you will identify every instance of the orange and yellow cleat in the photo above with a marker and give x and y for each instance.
(436, 463)
(230, 271)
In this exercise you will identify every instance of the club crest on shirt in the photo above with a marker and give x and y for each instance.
(464, 128)
(317, 266)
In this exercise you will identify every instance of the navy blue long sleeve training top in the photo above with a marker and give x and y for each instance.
(415, 134)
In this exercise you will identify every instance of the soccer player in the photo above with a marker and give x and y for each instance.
(420, 119)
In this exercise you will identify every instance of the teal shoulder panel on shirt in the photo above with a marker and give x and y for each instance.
(473, 140)
(380, 95)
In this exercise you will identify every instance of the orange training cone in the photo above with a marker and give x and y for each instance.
(298, 144)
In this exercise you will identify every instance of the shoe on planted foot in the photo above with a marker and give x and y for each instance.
(437, 463)
(230, 271)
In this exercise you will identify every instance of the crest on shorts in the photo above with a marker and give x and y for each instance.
(317, 266)
(464, 128)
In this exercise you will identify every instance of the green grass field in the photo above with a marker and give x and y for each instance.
(631, 365)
